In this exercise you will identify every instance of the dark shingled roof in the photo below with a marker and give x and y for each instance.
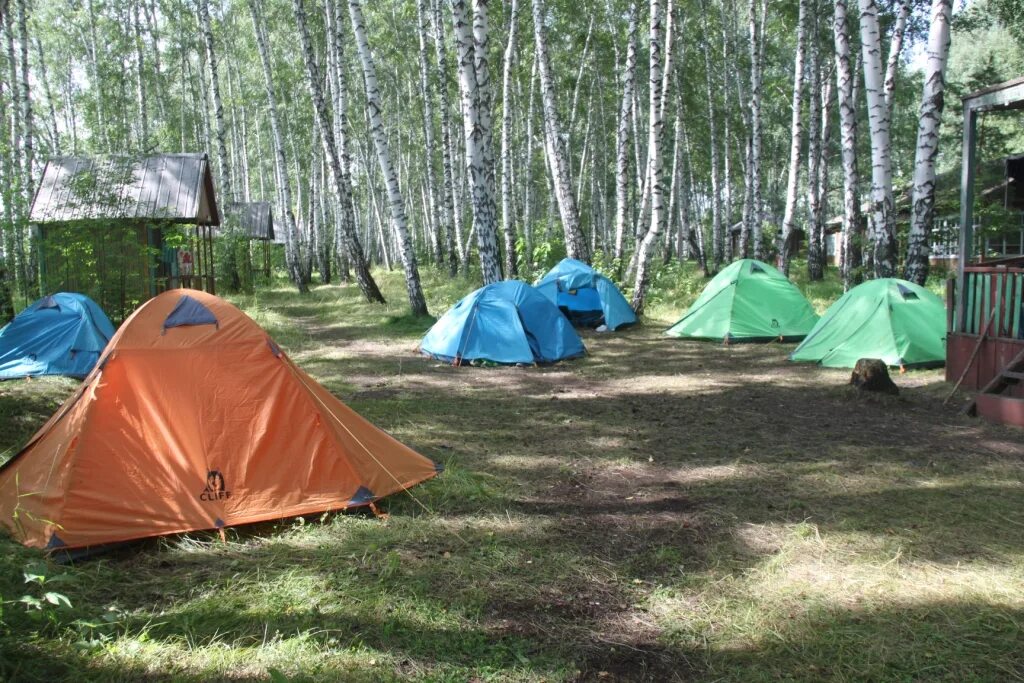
(173, 187)
(255, 218)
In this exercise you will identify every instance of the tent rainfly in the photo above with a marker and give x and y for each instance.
(586, 297)
(893, 320)
(749, 301)
(61, 334)
(194, 419)
(506, 322)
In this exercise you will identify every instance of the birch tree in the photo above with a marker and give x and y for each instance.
(399, 220)
(756, 31)
(475, 123)
(788, 238)
(341, 181)
(622, 137)
(575, 245)
(916, 269)
(882, 218)
(507, 210)
(449, 220)
(850, 246)
(426, 93)
(655, 161)
(284, 187)
(815, 258)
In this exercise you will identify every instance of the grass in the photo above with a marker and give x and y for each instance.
(659, 510)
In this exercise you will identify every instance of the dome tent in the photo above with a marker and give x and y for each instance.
(893, 320)
(505, 322)
(585, 296)
(749, 301)
(194, 419)
(60, 334)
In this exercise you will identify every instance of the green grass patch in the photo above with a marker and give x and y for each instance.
(658, 510)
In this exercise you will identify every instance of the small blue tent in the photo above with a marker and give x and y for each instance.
(61, 334)
(505, 322)
(585, 296)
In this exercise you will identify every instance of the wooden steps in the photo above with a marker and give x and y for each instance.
(992, 404)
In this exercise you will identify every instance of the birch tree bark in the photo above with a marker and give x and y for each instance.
(655, 161)
(449, 220)
(16, 178)
(789, 235)
(475, 123)
(427, 96)
(507, 209)
(575, 244)
(346, 219)
(899, 30)
(28, 132)
(224, 164)
(284, 187)
(717, 237)
(140, 75)
(882, 217)
(756, 31)
(932, 102)
(339, 175)
(380, 141)
(815, 259)
(845, 79)
(622, 138)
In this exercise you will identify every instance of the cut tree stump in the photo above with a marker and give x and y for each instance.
(871, 374)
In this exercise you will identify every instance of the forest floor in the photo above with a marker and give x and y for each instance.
(659, 510)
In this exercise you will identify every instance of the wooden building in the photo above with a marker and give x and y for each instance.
(985, 344)
(256, 221)
(123, 229)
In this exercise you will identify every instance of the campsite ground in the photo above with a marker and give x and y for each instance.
(659, 510)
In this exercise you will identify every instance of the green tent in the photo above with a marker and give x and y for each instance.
(748, 301)
(893, 320)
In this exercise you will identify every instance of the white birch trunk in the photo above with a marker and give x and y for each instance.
(932, 102)
(575, 245)
(284, 187)
(475, 123)
(717, 236)
(788, 238)
(339, 173)
(899, 30)
(815, 266)
(622, 138)
(374, 107)
(882, 217)
(752, 196)
(845, 80)
(449, 216)
(655, 161)
(507, 209)
(426, 95)
(224, 164)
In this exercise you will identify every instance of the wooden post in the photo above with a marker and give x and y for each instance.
(966, 205)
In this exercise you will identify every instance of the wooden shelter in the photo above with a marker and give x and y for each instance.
(256, 221)
(123, 229)
(985, 344)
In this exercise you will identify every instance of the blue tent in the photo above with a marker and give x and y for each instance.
(505, 322)
(585, 296)
(61, 334)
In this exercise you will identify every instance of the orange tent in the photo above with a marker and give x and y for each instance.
(194, 419)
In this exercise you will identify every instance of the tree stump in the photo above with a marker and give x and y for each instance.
(871, 374)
